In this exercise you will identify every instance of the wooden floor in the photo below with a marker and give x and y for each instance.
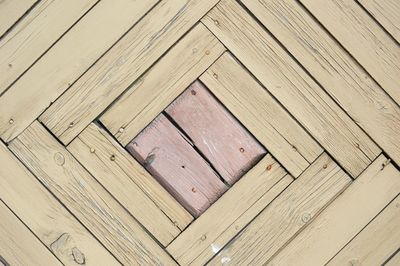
(315, 82)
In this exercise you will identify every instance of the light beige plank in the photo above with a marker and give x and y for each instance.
(261, 114)
(55, 167)
(96, 32)
(230, 214)
(46, 217)
(129, 182)
(11, 11)
(344, 217)
(292, 86)
(287, 215)
(363, 38)
(395, 260)
(120, 67)
(162, 84)
(376, 242)
(18, 246)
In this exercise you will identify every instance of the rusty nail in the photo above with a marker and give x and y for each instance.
(194, 190)
(269, 167)
(193, 92)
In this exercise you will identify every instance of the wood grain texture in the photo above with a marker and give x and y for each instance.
(363, 38)
(18, 246)
(261, 114)
(95, 208)
(46, 217)
(376, 242)
(50, 76)
(129, 183)
(343, 218)
(292, 86)
(225, 143)
(172, 160)
(11, 11)
(165, 81)
(230, 214)
(35, 33)
(287, 215)
(122, 65)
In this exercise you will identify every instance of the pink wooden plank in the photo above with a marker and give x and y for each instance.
(177, 166)
(215, 132)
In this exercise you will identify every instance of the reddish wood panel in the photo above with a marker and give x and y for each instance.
(172, 160)
(225, 143)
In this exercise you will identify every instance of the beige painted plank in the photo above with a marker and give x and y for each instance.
(226, 144)
(129, 182)
(344, 217)
(342, 77)
(11, 11)
(287, 215)
(65, 62)
(55, 167)
(46, 217)
(261, 114)
(292, 86)
(375, 243)
(395, 260)
(230, 214)
(122, 65)
(162, 84)
(363, 38)
(35, 33)
(18, 246)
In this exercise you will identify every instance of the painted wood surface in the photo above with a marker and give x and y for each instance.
(172, 160)
(11, 11)
(394, 260)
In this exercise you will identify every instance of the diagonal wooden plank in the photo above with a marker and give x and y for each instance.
(46, 217)
(343, 218)
(287, 215)
(395, 260)
(59, 171)
(363, 38)
(129, 182)
(230, 214)
(162, 84)
(11, 11)
(18, 246)
(292, 86)
(261, 114)
(122, 65)
(69, 58)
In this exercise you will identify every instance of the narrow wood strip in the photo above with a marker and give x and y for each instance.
(363, 38)
(58, 170)
(375, 243)
(49, 77)
(287, 215)
(11, 11)
(261, 114)
(46, 217)
(344, 217)
(292, 86)
(34, 34)
(130, 183)
(230, 214)
(122, 65)
(18, 246)
(150, 95)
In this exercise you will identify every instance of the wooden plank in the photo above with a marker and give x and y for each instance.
(11, 11)
(98, 211)
(230, 214)
(122, 65)
(292, 86)
(225, 143)
(129, 182)
(50, 76)
(376, 242)
(168, 78)
(343, 218)
(363, 38)
(395, 260)
(172, 160)
(18, 246)
(287, 215)
(34, 34)
(345, 80)
(261, 114)
(46, 217)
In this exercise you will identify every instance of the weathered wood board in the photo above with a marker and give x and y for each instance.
(11, 11)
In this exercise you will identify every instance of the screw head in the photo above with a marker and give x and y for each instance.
(207, 52)
(11, 121)
(112, 157)
(241, 150)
